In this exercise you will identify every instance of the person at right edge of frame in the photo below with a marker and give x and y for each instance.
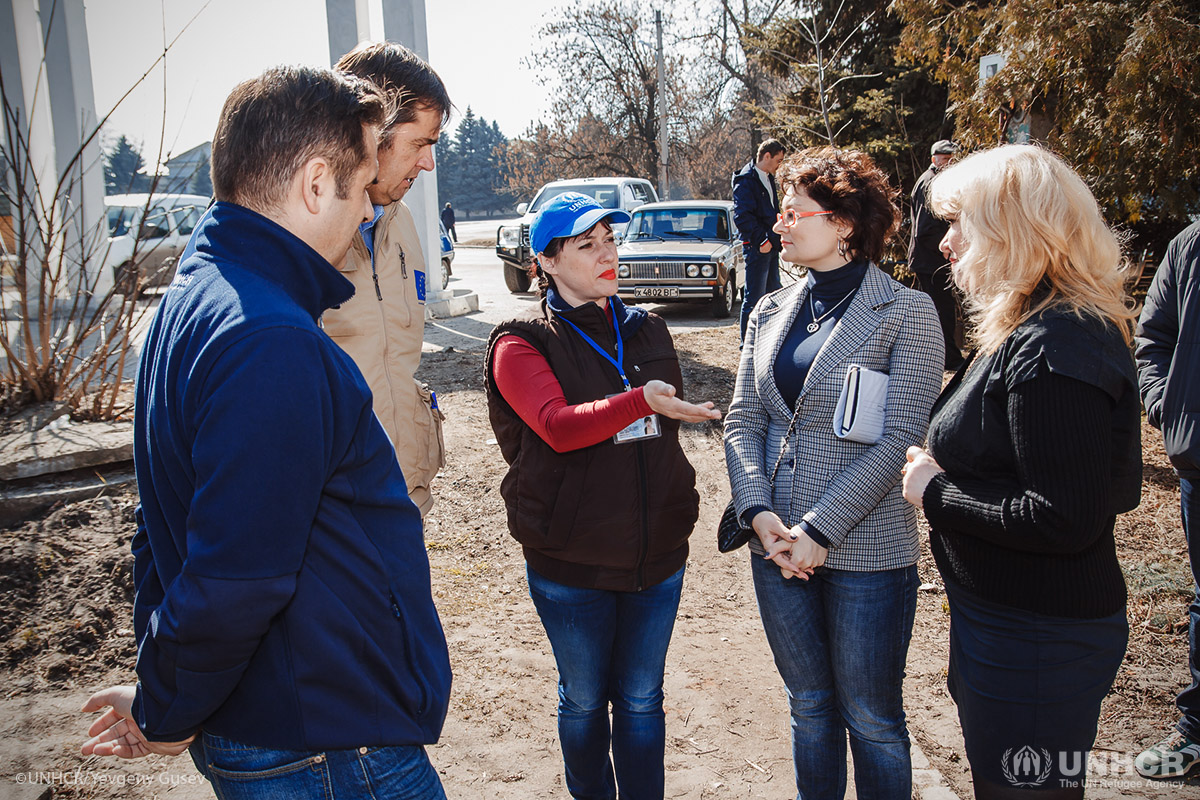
(925, 259)
(1034, 449)
(755, 206)
(1168, 355)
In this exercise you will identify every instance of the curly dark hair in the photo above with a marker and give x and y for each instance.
(848, 183)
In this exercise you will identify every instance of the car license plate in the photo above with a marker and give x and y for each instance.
(656, 291)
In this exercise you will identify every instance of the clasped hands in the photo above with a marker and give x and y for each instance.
(792, 550)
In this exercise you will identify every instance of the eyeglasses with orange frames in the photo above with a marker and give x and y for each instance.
(790, 217)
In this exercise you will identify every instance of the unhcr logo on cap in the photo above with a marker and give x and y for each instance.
(569, 214)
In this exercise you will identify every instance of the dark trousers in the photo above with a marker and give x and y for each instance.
(1188, 701)
(762, 277)
(939, 286)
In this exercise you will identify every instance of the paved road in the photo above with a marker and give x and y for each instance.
(477, 269)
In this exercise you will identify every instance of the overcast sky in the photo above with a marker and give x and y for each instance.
(475, 45)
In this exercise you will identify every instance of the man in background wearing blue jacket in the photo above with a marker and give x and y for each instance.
(755, 207)
(285, 624)
(1168, 356)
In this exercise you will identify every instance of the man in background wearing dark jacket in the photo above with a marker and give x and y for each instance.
(925, 256)
(448, 221)
(1168, 355)
(755, 207)
(283, 614)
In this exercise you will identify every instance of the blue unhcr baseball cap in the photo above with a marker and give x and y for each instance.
(569, 214)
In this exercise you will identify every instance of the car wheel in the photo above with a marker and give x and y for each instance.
(725, 297)
(445, 272)
(515, 278)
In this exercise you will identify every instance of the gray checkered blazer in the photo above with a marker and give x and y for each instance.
(848, 491)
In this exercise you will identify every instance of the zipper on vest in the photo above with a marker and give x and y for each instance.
(375, 277)
(644, 551)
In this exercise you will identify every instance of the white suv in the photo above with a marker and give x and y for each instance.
(512, 241)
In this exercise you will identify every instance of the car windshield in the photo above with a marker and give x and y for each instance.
(120, 218)
(604, 194)
(678, 223)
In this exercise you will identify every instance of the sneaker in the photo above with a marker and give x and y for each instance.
(1170, 758)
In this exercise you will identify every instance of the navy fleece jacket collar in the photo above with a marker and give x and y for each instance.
(292, 265)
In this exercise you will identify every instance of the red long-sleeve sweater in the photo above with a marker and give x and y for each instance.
(527, 383)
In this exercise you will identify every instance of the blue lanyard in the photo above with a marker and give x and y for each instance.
(616, 362)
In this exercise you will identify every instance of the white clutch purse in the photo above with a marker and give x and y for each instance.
(862, 406)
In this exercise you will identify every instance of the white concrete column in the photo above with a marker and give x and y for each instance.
(349, 23)
(27, 90)
(73, 112)
(404, 22)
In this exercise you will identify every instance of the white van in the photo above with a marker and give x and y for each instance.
(146, 236)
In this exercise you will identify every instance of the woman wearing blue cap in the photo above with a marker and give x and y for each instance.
(586, 410)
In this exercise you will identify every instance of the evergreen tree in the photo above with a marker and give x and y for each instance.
(469, 169)
(122, 169)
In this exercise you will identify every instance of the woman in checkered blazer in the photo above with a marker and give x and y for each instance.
(835, 556)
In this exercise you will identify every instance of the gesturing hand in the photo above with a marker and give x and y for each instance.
(660, 396)
(116, 734)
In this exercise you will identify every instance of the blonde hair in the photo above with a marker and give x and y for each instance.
(1027, 221)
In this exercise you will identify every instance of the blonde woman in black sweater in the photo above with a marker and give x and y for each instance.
(1034, 448)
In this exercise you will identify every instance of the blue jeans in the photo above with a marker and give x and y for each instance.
(1188, 701)
(840, 641)
(611, 648)
(762, 277)
(245, 772)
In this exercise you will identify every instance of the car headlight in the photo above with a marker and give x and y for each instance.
(708, 270)
(623, 271)
(693, 270)
(509, 237)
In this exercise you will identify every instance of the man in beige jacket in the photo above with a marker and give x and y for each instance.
(383, 325)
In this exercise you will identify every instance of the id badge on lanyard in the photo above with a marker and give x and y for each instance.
(639, 429)
(647, 427)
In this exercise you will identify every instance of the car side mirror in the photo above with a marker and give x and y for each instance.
(522, 208)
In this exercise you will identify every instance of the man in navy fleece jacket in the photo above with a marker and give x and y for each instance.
(284, 618)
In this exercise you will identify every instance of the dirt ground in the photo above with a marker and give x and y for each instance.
(65, 630)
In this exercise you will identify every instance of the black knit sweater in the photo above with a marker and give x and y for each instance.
(1041, 445)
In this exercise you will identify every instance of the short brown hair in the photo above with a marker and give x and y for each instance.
(769, 147)
(272, 125)
(848, 183)
(408, 82)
